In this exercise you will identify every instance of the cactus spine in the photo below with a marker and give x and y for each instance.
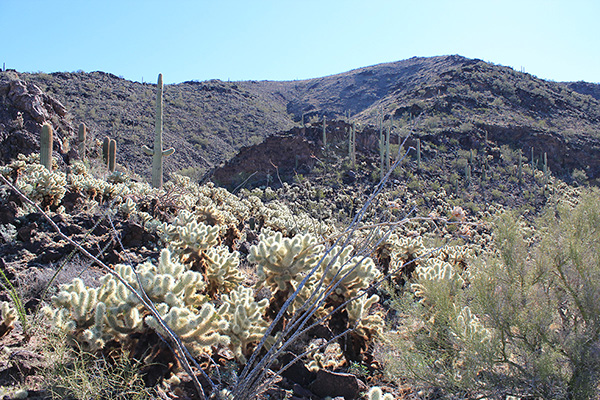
(112, 155)
(82, 137)
(46, 142)
(157, 151)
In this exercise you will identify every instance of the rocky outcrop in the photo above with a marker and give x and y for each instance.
(24, 108)
(29, 98)
(279, 157)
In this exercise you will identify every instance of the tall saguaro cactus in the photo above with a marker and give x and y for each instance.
(418, 154)
(520, 167)
(157, 151)
(352, 145)
(112, 155)
(324, 133)
(82, 136)
(387, 149)
(381, 147)
(105, 144)
(46, 142)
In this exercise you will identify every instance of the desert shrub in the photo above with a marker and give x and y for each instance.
(523, 321)
(76, 374)
(579, 176)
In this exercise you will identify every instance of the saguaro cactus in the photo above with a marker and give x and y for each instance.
(381, 147)
(387, 149)
(520, 167)
(324, 133)
(485, 169)
(419, 154)
(105, 144)
(112, 155)
(157, 151)
(46, 142)
(82, 137)
(353, 145)
(468, 174)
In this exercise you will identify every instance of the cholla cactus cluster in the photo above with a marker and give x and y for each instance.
(8, 316)
(197, 285)
(96, 315)
(246, 322)
(437, 278)
(468, 327)
(375, 393)
(49, 187)
(36, 181)
(282, 262)
(187, 299)
(222, 269)
(346, 274)
(325, 355)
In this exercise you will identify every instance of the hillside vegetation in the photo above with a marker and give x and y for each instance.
(424, 229)
(208, 122)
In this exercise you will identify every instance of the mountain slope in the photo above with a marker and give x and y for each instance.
(208, 122)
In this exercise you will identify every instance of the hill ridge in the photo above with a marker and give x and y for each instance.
(209, 121)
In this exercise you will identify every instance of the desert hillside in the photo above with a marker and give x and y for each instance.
(424, 229)
(208, 122)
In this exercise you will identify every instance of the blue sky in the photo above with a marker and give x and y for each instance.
(287, 40)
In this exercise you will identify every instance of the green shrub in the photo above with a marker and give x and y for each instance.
(524, 321)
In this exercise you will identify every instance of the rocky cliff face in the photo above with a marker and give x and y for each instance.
(24, 108)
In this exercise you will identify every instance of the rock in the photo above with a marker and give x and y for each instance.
(49, 255)
(301, 392)
(278, 157)
(132, 235)
(7, 214)
(26, 361)
(25, 233)
(25, 109)
(334, 384)
(30, 98)
(349, 177)
(72, 200)
(297, 372)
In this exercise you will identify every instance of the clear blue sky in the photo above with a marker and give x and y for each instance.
(287, 40)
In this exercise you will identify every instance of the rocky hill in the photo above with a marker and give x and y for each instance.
(208, 122)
